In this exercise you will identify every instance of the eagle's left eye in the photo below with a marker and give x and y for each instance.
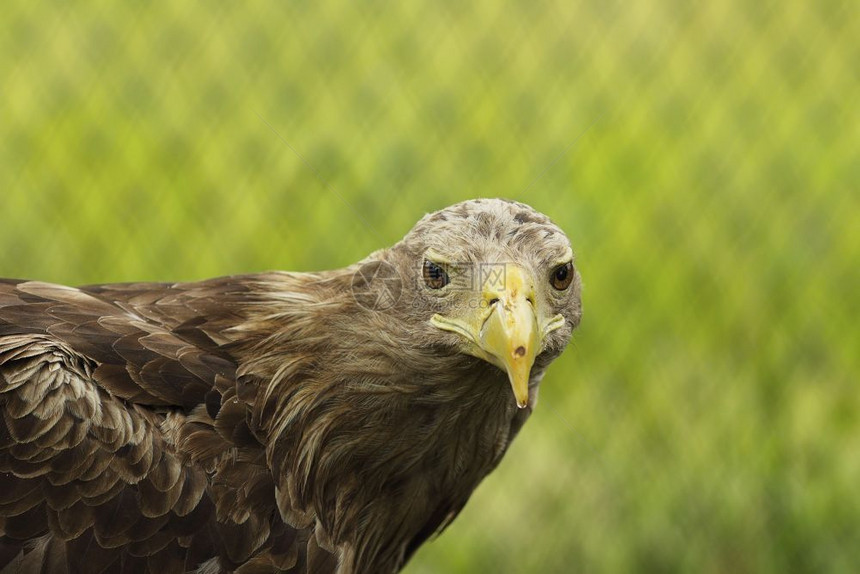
(562, 276)
(434, 276)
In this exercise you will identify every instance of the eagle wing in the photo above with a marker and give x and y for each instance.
(114, 446)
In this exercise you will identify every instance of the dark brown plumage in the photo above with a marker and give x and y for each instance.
(276, 422)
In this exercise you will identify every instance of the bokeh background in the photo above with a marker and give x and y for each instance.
(702, 156)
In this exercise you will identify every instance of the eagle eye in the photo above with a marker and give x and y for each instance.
(434, 276)
(562, 276)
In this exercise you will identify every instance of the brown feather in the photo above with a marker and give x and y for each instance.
(255, 423)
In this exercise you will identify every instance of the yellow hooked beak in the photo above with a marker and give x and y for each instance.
(506, 329)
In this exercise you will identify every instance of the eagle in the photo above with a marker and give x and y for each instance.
(314, 422)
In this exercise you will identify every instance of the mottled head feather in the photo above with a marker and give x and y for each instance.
(489, 230)
(473, 237)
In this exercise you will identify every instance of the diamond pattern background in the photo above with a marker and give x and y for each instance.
(703, 157)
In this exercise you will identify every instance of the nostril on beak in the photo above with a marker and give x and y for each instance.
(519, 351)
(493, 301)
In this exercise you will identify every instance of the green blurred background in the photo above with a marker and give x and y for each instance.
(702, 156)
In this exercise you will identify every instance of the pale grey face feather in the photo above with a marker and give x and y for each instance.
(496, 275)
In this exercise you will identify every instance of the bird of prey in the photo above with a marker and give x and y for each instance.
(325, 422)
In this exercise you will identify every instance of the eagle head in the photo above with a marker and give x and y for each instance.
(492, 279)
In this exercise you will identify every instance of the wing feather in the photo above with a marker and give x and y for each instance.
(107, 446)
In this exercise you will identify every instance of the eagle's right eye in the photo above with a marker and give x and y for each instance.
(434, 276)
(562, 276)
